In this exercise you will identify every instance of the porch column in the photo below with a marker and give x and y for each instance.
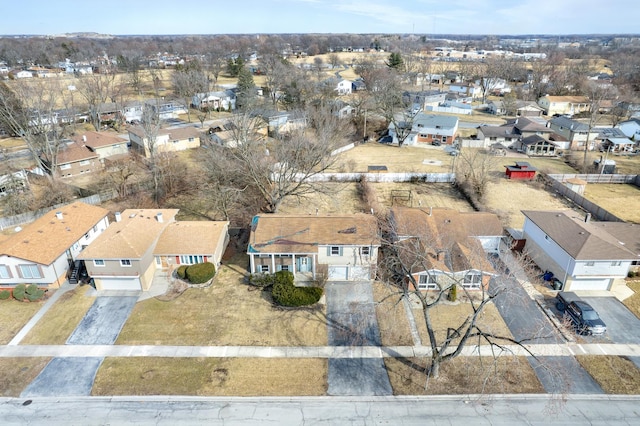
(252, 266)
(313, 265)
(273, 263)
(293, 264)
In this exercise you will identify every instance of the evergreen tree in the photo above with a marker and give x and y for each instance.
(246, 89)
(395, 61)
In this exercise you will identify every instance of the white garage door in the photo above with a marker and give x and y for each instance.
(602, 284)
(360, 273)
(118, 283)
(338, 273)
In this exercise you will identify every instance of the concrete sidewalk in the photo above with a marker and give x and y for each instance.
(570, 349)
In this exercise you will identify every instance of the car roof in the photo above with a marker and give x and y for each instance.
(584, 305)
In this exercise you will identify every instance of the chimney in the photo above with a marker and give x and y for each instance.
(84, 138)
(587, 218)
(430, 210)
(159, 217)
(59, 215)
(118, 216)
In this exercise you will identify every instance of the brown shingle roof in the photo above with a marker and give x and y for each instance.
(98, 139)
(582, 240)
(44, 240)
(191, 238)
(277, 233)
(130, 238)
(75, 152)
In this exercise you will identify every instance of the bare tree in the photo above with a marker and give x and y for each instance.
(30, 111)
(334, 60)
(474, 169)
(597, 95)
(150, 126)
(187, 82)
(96, 90)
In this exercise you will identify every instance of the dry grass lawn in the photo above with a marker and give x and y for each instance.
(507, 198)
(13, 316)
(229, 312)
(448, 315)
(397, 160)
(616, 375)
(392, 316)
(633, 302)
(55, 327)
(17, 373)
(464, 375)
(620, 199)
(212, 377)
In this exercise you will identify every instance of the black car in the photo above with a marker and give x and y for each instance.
(386, 139)
(584, 318)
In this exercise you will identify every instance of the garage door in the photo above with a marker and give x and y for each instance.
(360, 273)
(338, 273)
(602, 284)
(118, 283)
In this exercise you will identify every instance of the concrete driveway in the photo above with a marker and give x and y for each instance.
(74, 376)
(622, 325)
(103, 321)
(351, 321)
(64, 377)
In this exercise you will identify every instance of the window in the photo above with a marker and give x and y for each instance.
(427, 282)
(65, 166)
(264, 268)
(366, 251)
(191, 259)
(472, 280)
(85, 162)
(95, 228)
(616, 263)
(30, 271)
(283, 267)
(98, 262)
(4, 272)
(589, 263)
(335, 251)
(125, 262)
(86, 235)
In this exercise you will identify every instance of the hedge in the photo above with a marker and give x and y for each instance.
(34, 293)
(19, 292)
(181, 272)
(286, 294)
(200, 272)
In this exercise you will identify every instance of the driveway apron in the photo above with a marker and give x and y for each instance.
(352, 322)
(74, 376)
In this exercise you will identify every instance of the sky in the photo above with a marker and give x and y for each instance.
(118, 17)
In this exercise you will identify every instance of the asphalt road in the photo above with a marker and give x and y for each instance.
(439, 410)
(351, 321)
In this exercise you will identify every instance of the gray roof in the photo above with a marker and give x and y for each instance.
(582, 240)
(570, 124)
(432, 120)
(609, 132)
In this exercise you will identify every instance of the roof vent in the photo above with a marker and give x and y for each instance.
(59, 215)
(118, 216)
(159, 217)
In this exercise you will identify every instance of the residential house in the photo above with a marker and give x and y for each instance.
(514, 131)
(441, 245)
(338, 247)
(631, 128)
(583, 255)
(536, 145)
(23, 74)
(109, 112)
(13, 182)
(518, 108)
(76, 159)
(466, 89)
(575, 132)
(424, 100)
(344, 87)
(133, 111)
(167, 140)
(104, 144)
(43, 251)
(561, 105)
(143, 241)
(166, 109)
(429, 129)
(217, 100)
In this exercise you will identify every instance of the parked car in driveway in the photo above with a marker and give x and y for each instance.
(584, 318)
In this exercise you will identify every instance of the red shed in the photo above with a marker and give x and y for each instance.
(522, 170)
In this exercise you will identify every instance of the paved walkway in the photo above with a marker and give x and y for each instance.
(568, 349)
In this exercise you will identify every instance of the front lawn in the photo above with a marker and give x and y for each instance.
(212, 377)
(13, 316)
(228, 313)
(17, 373)
(615, 374)
(633, 302)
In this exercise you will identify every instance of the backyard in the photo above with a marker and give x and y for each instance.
(622, 200)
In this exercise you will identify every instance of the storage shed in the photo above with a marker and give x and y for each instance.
(521, 170)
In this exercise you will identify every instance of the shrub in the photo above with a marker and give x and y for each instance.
(286, 294)
(34, 293)
(5, 294)
(631, 274)
(453, 293)
(200, 272)
(19, 292)
(181, 272)
(262, 281)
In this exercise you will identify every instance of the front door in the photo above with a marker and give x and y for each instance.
(303, 264)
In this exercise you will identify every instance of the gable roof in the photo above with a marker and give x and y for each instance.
(567, 123)
(74, 152)
(98, 139)
(198, 238)
(433, 121)
(132, 236)
(44, 240)
(446, 230)
(279, 233)
(581, 240)
(568, 99)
